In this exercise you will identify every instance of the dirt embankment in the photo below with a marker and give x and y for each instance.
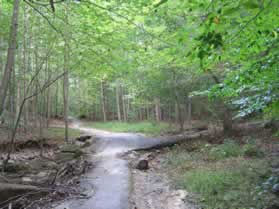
(39, 173)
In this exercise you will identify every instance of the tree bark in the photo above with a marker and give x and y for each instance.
(123, 104)
(176, 112)
(67, 39)
(66, 96)
(10, 56)
(103, 102)
(227, 121)
(118, 101)
(56, 99)
(227, 115)
(48, 101)
(25, 63)
(157, 109)
(189, 112)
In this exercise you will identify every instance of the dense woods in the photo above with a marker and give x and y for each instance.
(138, 60)
(173, 61)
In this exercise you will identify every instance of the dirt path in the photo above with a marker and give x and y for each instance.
(109, 182)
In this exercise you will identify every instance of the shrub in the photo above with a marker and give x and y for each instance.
(228, 149)
(250, 149)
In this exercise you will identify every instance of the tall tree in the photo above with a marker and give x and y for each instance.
(10, 56)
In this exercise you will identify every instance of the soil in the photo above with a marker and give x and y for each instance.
(152, 189)
(115, 164)
(48, 176)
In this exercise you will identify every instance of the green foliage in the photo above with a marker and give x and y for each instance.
(232, 149)
(276, 134)
(230, 181)
(227, 187)
(250, 149)
(228, 149)
(159, 49)
(272, 110)
(134, 127)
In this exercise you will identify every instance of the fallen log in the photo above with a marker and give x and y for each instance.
(171, 141)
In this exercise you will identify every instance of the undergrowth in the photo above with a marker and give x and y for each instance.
(228, 175)
(134, 127)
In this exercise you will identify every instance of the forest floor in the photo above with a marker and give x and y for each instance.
(152, 188)
(40, 170)
(205, 171)
(111, 177)
(237, 171)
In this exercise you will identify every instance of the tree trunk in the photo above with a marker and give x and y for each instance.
(147, 113)
(123, 104)
(10, 56)
(1, 57)
(179, 116)
(157, 109)
(176, 112)
(227, 115)
(12, 87)
(118, 101)
(103, 102)
(66, 102)
(25, 64)
(140, 114)
(56, 99)
(128, 108)
(227, 121)
(66, 90)
(48, 98)
(181, 119)
(189, 112)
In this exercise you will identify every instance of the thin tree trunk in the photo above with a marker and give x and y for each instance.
(48, 99)
(123, 104)
(10, 56)
(1, 57)
(147, 113)
(157, 109)
(227, 121)
(13, 94)
(128, 108)
(189, 112)
(103, 102)
(118, 101)
(66, 95)
(25, 64)
(140, 114)
(56, 99)
(37, 86)
(227, 115)
(15, 127)
(181, 119)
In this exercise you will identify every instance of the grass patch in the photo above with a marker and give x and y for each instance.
(134, 127)
(227, 187)
(228, 149)
(222, 176)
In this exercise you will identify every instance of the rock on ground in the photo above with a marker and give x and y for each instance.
(151, 189)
